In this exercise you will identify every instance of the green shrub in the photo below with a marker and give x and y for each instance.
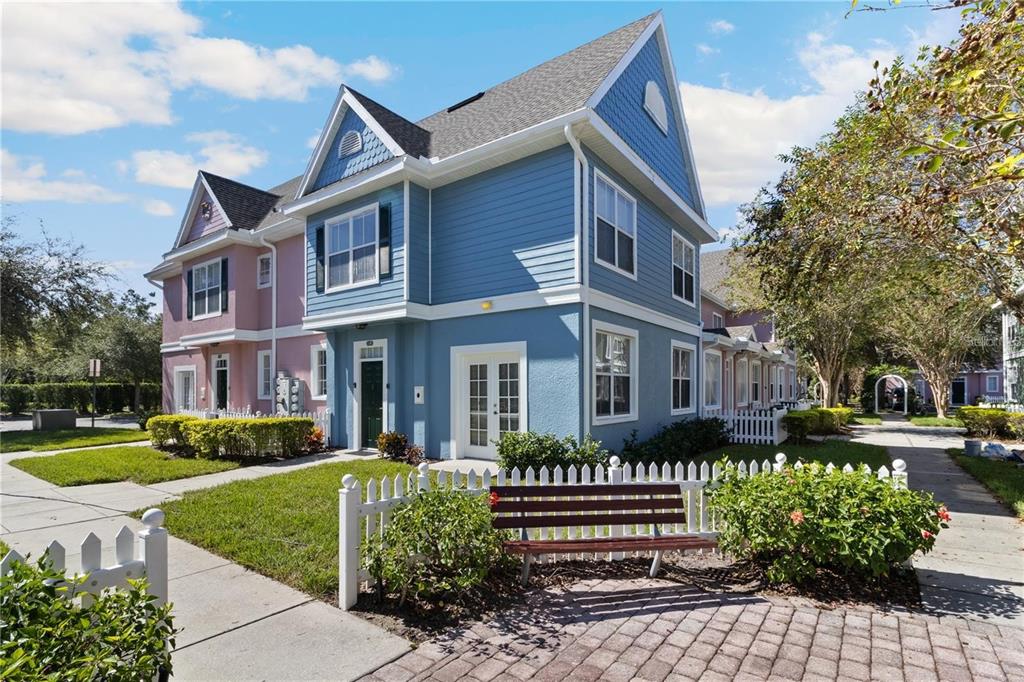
(237, 438)
(143, 416)
(820, 421)
(392, 444)
(801, 519)
(984, 422)
(17, 396)
(525, 449)
(77, 395)
(1015, 425)
(166, 428)
(121, 635)
(799, 424)
(435, 547)
(676, 442)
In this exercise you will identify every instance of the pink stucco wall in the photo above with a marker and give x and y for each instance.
(975, 387)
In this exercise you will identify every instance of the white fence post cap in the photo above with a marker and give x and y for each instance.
(153, 518)
(423, 468)
(348, 481)
(899, 466)
(614, 461)
(780, 458)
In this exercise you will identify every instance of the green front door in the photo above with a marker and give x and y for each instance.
(371, 402)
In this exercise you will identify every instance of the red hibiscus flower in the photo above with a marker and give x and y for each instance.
(797, 517)
(927, 535)
(493, 499)
(944, 514)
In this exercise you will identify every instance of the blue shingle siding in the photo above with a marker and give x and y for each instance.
(419, 244)
(653, 285)
(372, 153)
(390, 289)
(506, 230)
(622, 108)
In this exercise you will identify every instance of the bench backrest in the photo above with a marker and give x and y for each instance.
(558, 506)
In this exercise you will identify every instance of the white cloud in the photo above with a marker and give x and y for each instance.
(721, 26)
(220, 152)
(157, 207)
(737, 136)
(706, 50)
(73, 68)
(26, 180)
(313, 139)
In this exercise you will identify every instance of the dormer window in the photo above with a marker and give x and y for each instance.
(654, 105)
(351, 142)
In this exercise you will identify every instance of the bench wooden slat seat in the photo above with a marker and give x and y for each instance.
(644, 504)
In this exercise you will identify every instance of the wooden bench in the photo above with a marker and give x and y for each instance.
(593, 505)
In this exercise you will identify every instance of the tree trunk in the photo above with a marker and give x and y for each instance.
(939, 383)
(138, 396)
(829, 375)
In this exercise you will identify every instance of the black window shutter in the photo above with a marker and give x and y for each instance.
(318, 245)
(188, 294)
(223, 285)
(385, 239)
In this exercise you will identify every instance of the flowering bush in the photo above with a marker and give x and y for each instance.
(801, 519)
(396, 446)
(315, 440)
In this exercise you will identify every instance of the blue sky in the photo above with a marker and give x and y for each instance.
(108, 110)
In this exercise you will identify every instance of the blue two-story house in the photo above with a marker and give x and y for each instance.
(525, 259)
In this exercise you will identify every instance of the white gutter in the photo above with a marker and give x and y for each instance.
(584, 256)
(273, 317)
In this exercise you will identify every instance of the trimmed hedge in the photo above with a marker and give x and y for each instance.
(986, 422)
(818, 420)
(679, 441)
(110, 397)
(236, 438)
(165, 428)
(529, 449)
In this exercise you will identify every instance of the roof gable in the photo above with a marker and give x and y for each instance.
(338, 166)
(219, 203)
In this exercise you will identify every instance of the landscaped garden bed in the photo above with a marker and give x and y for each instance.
(1004, 479)
(134, 463)
(66, 439)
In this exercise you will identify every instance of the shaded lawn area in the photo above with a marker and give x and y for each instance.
(39, 441)
(134, 463)
(1005, 480)
(867, 419)
(919, 420)
(283, 526)
(838, 452)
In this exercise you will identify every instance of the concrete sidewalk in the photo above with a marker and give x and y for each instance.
(976, 569)
(236, 624)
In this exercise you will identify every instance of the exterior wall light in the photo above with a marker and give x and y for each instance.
(486, 305)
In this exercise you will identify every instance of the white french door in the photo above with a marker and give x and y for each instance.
(491, 401)
(184, 388)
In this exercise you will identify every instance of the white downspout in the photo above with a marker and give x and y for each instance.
(584, 256)
(273, 320)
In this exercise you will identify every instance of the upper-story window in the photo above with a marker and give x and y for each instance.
(351, 142)
(716, 321)
(352, 249)
(683, 279)
(206, 284)
(264, 269)
(616, 226)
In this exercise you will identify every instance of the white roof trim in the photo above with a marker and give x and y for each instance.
(626, 60)
(193, 208)
(345, 100)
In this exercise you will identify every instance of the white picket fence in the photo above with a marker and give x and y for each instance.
(1009, 407)
(150, 561)
(365, 511)
(321, 418)
(757, 426)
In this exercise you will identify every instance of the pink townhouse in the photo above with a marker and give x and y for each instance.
(230, 324)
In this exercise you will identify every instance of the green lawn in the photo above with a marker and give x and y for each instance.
(838, 452)
(127, 463)
(283, 526)
(867, 418)
(1004, 479)
(918, 420)
(15, 441)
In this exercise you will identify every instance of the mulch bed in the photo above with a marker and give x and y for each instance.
(709, 572)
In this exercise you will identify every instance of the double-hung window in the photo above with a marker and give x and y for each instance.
(682, 378)
(615, 367)
(991, 383)
(206, 290)
(352, 249)
(683, 279)
(616, 227)
(741, 382)
(263, 271)
(712, 379)
(755, 382)
(265, 380)
(716, 321)
(318, 372)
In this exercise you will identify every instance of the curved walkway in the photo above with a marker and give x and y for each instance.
(976, 569)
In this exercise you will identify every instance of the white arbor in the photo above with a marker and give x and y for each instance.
(906, 390)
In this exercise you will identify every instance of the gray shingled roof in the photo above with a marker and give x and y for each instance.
(245, 206)
(286, 191)
(745, 331)
(414, 140)
(715, 268)
(556, 87)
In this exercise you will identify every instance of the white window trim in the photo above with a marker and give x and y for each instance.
(375, 208)
(260, 355)
(717, 321)
(598, 326)
(692, 409)
(357, 377)
(259, 260)
(721, 379)
(672, 265)
(314, 371)
(743, 379)
(636, 230)
(989, 379)
(760, 383)
(182, 369)
(207, 315)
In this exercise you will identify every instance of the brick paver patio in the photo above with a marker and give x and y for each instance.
(659, 630)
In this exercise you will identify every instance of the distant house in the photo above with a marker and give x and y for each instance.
(745, 365)
(524, 259)
(1013, 358)
(969, 387)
